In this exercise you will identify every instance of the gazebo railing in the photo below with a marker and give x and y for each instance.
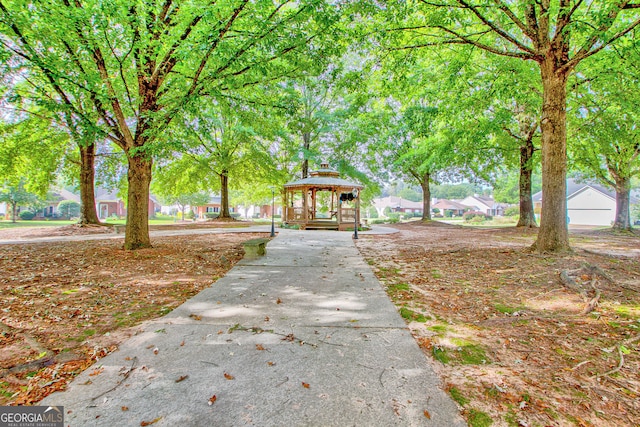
(294, 213)
(348, 214)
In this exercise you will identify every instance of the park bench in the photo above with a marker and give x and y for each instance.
(255, 248)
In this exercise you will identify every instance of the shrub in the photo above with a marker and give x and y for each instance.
(235, 215)
(512, 211)
(377, 221)
(68, 208)
(26, 215)
(372, 212)
(471, 216)
(211, 215)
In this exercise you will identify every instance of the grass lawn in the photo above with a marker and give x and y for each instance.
(59, 223)
(32, 223)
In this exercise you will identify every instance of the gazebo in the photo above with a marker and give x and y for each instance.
(322, 201)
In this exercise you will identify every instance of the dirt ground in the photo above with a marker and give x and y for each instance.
(515, 342)
(64, 305)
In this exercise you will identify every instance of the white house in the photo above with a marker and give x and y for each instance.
(484, 204)
(587, 204)
(397, 204)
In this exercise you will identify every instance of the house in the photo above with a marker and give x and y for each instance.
(109, 204)
(587, 203)
(397, 204)
(212, 208)
(445, 206)
(53, 199)
(484, 204)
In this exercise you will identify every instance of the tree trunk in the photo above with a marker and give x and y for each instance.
(553, 235)
(14, 209)
(88, 212)
(527, 214)
(306, 143)
(426, 197)
(139, 178)
(623, 192)
(224, 195)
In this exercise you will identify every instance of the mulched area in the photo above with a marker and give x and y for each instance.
(513, 342)
(67, 304)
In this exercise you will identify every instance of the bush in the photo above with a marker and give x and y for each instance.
(26, 215)
(211, 215)
(235, 215)
(68, 208)
(512, 211)
(376, 221)
(372, 212)
(475, 216)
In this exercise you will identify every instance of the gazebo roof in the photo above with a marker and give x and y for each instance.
(323, 178)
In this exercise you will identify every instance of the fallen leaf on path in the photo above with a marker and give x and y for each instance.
(260, 347)
(278, 301)
(195, 317)
(182, 378)
(148, 423)
(96, 371)
(305, 385)
(212, 399)
(229, 376)
(427, 414)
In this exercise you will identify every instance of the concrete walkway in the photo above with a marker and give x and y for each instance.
(304, 336)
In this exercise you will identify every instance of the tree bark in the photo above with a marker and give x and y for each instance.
(426, 197)
(139, 178)
(553, 235)
(224, 194)
(14, 209)
(527, 214)
(306, 143)
(88, 212)
(623, 195)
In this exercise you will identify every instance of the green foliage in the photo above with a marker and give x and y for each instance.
(512, 211)
(69, 208)
(26, 215)
(474, 216)
(453, 191)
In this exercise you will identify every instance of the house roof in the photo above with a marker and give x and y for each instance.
(574, 188)
(396, 202)
(449, 204)
(106, 195)
(62, 194)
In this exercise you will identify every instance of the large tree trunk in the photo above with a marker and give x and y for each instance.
(553, 235)
(224, 195)
(527, 214)
(426, 197)
(623, 192)
(88, 212)
(139, 178)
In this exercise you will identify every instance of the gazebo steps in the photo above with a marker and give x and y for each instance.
(321, 225)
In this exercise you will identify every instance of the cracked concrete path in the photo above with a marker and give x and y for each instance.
(304, 336)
